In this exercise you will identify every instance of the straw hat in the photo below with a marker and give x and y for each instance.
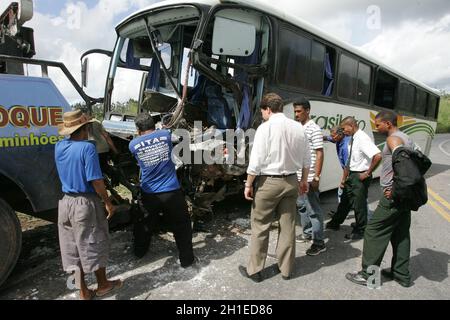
(72, 121)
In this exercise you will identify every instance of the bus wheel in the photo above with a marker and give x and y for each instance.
(10, 240)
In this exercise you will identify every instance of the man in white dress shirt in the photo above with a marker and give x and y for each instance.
(280, 149)
(364, 157)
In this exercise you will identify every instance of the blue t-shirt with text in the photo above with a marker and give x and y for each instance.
(153, 153)
(77, 164)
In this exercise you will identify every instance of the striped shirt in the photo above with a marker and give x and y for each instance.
(315, 140)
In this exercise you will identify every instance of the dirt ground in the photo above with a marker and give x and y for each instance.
(38, 274)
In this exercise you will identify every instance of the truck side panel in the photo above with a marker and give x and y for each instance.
(30, 110)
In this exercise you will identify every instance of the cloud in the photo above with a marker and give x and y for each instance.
(65, 35)
(410, 36)
(392, 12)
(413, 35)
(418, 49)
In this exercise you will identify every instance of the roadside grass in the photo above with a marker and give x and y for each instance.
(444, 115)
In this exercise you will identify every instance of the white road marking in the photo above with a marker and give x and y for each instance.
(441, 147)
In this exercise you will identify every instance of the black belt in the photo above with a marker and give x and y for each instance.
(278, 176)
(357, 171)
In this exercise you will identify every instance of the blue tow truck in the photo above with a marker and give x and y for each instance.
(30, 110)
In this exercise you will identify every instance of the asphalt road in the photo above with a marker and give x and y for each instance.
(158, 277)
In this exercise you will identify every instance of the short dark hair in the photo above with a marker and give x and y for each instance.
(273, 102)
(386, 116)
(349, 120)
(304, 103)
(144, 122)
(338, 130)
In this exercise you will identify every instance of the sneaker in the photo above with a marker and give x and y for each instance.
(301, 238)
(316, 249)
(357, 278)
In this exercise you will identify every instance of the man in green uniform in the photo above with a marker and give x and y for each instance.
(390, 222)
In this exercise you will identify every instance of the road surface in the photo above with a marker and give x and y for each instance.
(158, 277)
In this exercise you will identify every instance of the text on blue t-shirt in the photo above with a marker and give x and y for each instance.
(153, 153)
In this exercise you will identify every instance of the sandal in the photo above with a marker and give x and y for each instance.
(92, 295)
(116, 284)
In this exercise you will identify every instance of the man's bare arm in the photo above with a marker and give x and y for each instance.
(111, 144)
(248, 192)
(319, 161)
(99, 186)
(394, 142)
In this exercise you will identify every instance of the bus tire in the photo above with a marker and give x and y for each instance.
(10, 240)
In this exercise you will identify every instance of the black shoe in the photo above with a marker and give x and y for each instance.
(199, 226)
(354, 236)
(387, 273)
(276, 270)
(357, 278)
(141, 239)
(194, 262)
(316, 249)
(139, 252)
(257, 277)
(331, 226)
(403, 283)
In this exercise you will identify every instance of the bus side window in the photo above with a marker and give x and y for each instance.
(406, 97)
(386, 90)
(432, 107)
(329, 72)
(421, 102)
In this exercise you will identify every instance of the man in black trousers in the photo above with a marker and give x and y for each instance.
(364, 157)
(161, 192)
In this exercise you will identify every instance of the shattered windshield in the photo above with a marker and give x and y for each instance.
(137, 70)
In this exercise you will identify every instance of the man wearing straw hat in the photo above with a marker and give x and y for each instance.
(82, 222)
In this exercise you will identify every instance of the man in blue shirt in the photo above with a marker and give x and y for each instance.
(342, 141)
(338, 137)
(82, 222)
(161, 191)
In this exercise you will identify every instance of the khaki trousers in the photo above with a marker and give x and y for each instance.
(274, 199)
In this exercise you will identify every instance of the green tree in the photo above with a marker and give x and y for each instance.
(444, 113)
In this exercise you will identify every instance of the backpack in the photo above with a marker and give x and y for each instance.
(409, 189)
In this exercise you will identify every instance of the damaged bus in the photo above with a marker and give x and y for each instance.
(201, 67)
(211, 61)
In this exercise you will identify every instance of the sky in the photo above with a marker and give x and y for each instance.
(411, 36)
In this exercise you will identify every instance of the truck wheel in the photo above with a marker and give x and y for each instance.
(10, 240)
